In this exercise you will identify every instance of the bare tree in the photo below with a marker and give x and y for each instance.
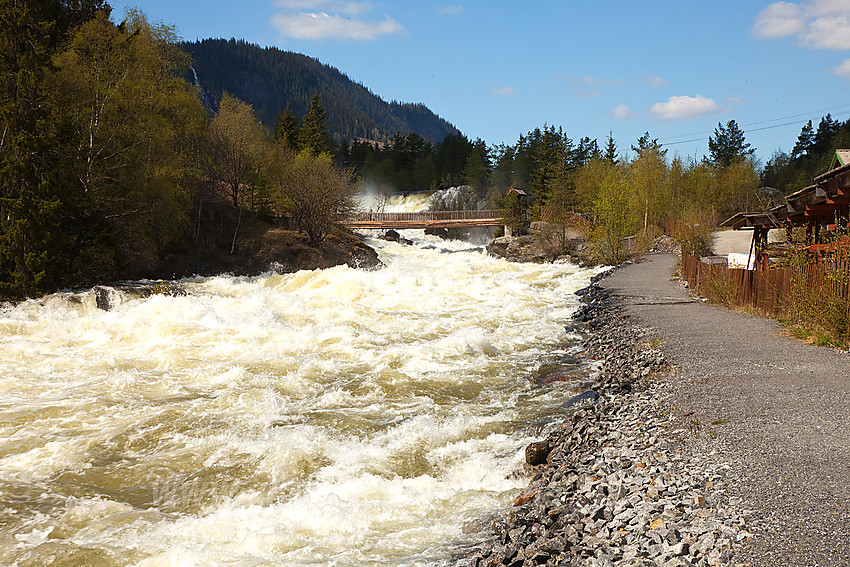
(237, 139)
(318, 195)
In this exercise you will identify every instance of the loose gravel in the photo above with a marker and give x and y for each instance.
(713, 439)
(612, 485)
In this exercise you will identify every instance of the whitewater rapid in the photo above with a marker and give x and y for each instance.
(328, 417)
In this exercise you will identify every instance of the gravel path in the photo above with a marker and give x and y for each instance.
(774, 410)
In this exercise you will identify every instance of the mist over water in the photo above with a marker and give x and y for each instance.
(329, 417)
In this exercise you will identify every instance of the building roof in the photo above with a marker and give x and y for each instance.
(743, 221)
(841, 157)
(820, 203)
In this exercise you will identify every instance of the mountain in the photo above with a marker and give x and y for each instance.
(269, 78)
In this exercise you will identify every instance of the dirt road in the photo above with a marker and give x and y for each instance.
(773, 409)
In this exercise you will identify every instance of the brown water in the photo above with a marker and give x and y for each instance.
(334, 417)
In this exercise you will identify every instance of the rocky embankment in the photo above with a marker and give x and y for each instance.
(614, 484)
(266, 249)
(544, 243)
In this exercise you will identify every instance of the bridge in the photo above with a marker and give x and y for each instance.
(425, 219)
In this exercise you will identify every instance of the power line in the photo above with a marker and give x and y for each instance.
(748, 131)
(799, 115)
(703, 134)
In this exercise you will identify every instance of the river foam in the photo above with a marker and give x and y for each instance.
(329, 417)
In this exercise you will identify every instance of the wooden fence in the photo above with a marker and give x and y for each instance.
(820, 289)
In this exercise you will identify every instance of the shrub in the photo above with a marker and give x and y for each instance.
(818, 298)
(316, 193)
(694, 233)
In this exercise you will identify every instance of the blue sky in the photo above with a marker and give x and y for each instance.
(498, 69)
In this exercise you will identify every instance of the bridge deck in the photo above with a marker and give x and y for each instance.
(426, 219)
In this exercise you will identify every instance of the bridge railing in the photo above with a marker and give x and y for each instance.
(424, 216)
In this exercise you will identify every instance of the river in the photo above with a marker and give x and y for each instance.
(330, 417)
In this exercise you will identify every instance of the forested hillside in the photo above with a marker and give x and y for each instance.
(268, 79)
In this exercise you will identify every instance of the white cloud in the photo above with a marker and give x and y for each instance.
(681, 107)
(453, 10)
(780, 19)
(817, 24)
(654, 81)
(502, 91)
(830, 32)
(843, 70)
(623, 112)
(349, 7)
(321, 25)
(826, 7)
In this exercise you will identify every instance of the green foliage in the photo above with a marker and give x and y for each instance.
(727, 146)
(410, 162)
(548, 149)
(501, 177)
(736, 189)
(817, 303)
(650, 194)
(477, 170)
(97, 161)
(236, 141)
(286, 129)
(646, 143)
(805, 141)
(694, 231)
(513, 212)
(132, 125)
(25, 195)
(313, 136)
(611, 215)
(611, 149)
(811, 155)
(316, 193)
(39, 230)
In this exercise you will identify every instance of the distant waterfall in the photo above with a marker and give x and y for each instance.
(205, 98)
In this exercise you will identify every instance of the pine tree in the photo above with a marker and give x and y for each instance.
(611, 149)
(478, 166)
(805, 141)
(587, 150)
(727, 146)
(550, 149)
(827, 128)
(312, 136)
(502, 175)
(644, 143)
(30, 200)
(286, 130)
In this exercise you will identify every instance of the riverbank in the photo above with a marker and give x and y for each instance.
(617, 488)
(263, 248)
(747, 432)
(773, 411)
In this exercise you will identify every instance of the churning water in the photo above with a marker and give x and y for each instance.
(332, 417)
